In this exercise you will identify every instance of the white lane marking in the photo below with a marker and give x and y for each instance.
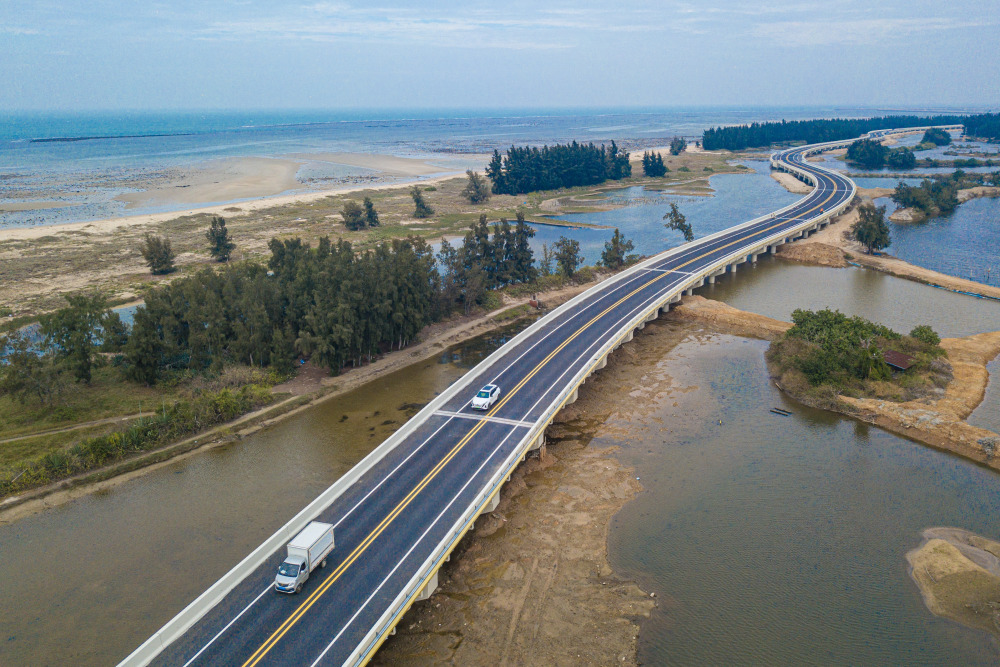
(235, 618)
(496, 420)
(399, 563)
(410, 550)
(507, 368)
(683, 273)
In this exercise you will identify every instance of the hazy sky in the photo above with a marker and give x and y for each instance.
(103, 54)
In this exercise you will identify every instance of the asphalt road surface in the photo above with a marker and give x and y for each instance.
(389, 522)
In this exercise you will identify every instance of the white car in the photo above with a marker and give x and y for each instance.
(486, 397)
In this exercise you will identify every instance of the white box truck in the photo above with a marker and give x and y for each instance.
(307, 551)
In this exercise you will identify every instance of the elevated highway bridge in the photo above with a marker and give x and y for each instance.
(399, 513)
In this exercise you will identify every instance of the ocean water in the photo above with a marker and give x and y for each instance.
(84, 162)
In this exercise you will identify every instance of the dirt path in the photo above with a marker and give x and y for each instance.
(76, 427)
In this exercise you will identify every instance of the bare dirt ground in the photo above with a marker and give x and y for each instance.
(791, 183)
(958, 574)
(724, 318)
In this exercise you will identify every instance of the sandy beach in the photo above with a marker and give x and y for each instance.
(263, 182)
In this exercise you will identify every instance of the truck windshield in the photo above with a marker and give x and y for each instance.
(288, 569)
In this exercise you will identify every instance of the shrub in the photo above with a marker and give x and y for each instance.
(925, 334)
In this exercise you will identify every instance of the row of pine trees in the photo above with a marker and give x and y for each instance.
(529, 169)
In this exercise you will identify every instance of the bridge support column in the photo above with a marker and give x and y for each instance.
(753, 259)
(576, 393)
(491, 505)
(429, 588)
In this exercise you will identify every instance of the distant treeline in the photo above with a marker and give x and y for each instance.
(528, 169)
(984, 126)
(738, 137)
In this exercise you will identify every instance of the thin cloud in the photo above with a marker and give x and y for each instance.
(869, 31)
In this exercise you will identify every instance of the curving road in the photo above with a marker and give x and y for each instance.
(408, 506)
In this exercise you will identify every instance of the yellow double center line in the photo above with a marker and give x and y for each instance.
(276, 636)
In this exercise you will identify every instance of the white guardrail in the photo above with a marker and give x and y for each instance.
(193, 612)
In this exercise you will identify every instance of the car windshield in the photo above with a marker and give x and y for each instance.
(288, 569)
(482, 394)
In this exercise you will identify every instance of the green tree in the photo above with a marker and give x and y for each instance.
(371, 215)
(868, 153)
(144, 349)
(524, 270)
(545, 263)
(158, 254)
(926, 334)
(354, 216)
(220, 245)
(652, 165)
(676, 220)
(114, 333)
(900, 158)
(936, 136)
(567, 255)
(25, 373)
(870, 230)
(421, 209)
(677, 145)
(477, 189)
(617, 251)
(74, 332)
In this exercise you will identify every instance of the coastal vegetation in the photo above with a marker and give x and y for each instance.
(826, 354)
(677, 221)
(936, 136)
(653, 166)
(937, 197)
(477, 189)
(567, 255)
(220, 245)
(618, 252)
(984, 126)
(872, 154)
(871, 230)
(755, 135)
(677, 145)
(529, 169)
(159, 255)
(421, 209)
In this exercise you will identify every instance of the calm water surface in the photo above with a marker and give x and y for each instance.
(781, 540)
(776, 287)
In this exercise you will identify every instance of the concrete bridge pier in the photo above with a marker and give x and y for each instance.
(491, 505)
(429, 588)
(712, 276)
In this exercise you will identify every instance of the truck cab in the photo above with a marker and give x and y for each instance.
(307, 551)
(292, 573)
